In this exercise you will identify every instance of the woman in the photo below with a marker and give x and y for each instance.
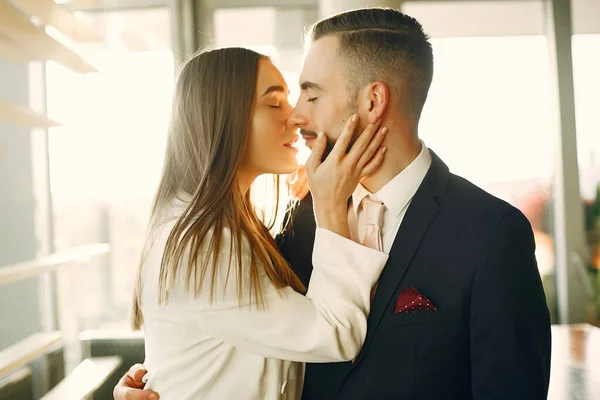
(221, 308)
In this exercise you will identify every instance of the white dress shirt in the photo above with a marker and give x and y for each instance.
(396, 195)
(196, 349)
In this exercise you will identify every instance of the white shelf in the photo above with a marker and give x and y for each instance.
(9, 50)
(85, 379)
(23, 116)
(34, 42)
(25, 351)
(59, 17)
(79, 2)
(29, 269)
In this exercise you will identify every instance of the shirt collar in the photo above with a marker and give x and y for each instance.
(398, 192)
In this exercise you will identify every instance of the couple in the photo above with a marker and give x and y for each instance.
(419, 284)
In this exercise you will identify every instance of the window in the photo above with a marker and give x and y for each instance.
(106, 161)
(487, 117)
(586, 64)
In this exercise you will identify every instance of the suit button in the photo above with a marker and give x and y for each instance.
(283, 387)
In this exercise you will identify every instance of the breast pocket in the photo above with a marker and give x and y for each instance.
(422, 318)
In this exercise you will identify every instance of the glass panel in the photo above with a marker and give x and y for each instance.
(487, 117)
(263, 38)
(105, 162)
(586, 65)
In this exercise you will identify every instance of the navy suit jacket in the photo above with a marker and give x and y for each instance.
(472, 255)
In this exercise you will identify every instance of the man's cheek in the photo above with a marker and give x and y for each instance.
(330, 144)
(310, 142)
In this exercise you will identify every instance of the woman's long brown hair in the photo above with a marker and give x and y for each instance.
(212, 108)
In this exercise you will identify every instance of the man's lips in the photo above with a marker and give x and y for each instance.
(308, 134)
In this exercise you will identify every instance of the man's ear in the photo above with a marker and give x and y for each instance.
(377, 100)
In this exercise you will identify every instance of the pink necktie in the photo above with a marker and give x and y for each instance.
(373, 213)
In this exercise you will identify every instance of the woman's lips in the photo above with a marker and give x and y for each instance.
(291, 144)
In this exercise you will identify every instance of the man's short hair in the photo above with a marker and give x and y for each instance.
(382, 44)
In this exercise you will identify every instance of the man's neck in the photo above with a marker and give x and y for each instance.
(402, 149)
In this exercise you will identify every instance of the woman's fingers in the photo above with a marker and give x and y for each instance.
(299, 186)
(364, 156)
(362, 143)
(374, 163)
(316, 155)
(343, 141)
(371, 148)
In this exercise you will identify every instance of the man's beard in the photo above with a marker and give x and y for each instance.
(331, 141)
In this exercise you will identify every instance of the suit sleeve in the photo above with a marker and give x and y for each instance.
(510, 322)
(297, 238)
(328, 324)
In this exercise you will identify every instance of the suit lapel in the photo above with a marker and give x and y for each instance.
(419, 216)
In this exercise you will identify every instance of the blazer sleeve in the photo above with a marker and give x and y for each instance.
(510, 322)
(328, 324)
(297, 238)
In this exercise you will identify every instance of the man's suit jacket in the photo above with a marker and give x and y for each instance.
(472, 255)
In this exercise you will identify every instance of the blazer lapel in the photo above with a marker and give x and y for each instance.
(419, 216)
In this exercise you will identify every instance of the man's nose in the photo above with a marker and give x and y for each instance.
(297, 119)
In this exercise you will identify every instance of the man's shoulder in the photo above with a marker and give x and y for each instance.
(459, 195)
(475, 200)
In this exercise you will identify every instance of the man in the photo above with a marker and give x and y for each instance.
(459, 311)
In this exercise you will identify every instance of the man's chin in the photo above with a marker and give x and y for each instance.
(309, 142)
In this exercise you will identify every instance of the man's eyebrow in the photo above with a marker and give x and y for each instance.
(274, 88)
(310, 85)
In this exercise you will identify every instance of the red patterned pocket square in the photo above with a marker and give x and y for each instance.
(411, 301)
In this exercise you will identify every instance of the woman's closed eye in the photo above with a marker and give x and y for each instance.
(311, 99)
